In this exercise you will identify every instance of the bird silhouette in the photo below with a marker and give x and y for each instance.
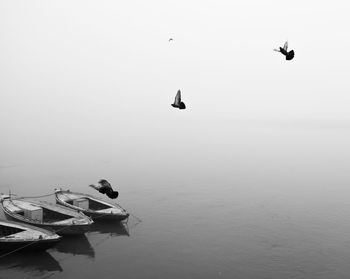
(105, 188)
(171, 39)
(177, 103)
(288, 54)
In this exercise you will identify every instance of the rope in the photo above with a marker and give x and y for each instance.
(20, 248)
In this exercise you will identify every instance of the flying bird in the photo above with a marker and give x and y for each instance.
(171, 39)
(177, 103)
(105, 188)
(288, 54)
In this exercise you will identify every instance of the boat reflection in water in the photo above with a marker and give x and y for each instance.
(32, 263)
(80, 245)
(75, 245)
(111, 228)
(100, 233)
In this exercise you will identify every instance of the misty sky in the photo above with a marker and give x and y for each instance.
(82, 71)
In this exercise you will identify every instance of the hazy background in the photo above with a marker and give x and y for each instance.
(90, 82)
(251, 180)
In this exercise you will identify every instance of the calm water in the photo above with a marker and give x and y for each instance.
(224, 199)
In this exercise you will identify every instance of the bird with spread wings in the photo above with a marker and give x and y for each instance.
(288, 54)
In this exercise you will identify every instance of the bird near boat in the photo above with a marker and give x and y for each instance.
(177, 103)
(94, 207)
(105, 187)
(284, 50)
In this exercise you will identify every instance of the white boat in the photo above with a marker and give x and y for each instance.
(19, 236)
(45, 215)
(91, 206)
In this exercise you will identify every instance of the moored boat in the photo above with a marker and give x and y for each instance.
(16, 236)
(91, 206)
(45, 215)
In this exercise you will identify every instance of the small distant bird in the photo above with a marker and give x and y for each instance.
(288, 54)
(177, 103)
(171, 39)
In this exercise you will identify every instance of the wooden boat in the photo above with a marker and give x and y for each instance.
(20, 236)
(52, 217)
(91, 206)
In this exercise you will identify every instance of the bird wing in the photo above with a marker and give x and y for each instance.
(94, 186)
(177, 98)
(106, 184)
(285, 47)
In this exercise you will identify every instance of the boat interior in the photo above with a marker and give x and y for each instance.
(6, 230)
(36, 212)
(50, 216)
(93, 204)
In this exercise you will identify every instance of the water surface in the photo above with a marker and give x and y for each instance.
(224, 199)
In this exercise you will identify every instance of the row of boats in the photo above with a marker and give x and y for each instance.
(38, 225)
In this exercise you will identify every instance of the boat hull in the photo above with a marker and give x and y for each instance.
(38, 245)
(16, 236)
(98, 217)
(59, 229)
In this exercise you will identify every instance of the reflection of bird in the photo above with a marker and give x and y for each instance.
(288, 54)
(171, 39)
(177, 103)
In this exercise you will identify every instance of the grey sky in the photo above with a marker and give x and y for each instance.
(73, 70)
